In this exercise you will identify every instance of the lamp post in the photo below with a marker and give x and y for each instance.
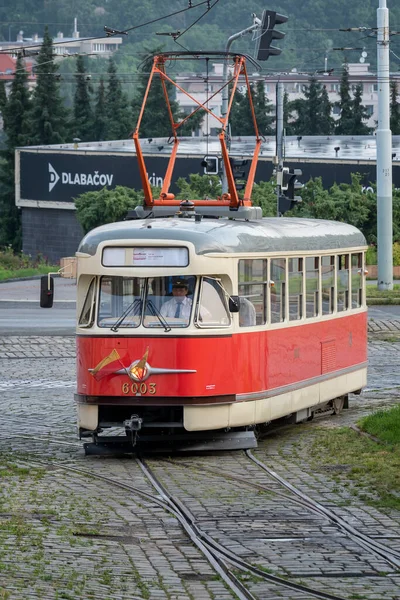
(224, 107)
(384, 155)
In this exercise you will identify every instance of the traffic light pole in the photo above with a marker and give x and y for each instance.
(224, 107)
(279, 143)
(384, 155)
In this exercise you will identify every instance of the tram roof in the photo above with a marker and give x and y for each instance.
(231, 236)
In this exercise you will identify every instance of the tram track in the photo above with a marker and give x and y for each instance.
(220, 558)
(391, 556)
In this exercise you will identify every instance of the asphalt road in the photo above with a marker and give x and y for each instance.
(20, 313)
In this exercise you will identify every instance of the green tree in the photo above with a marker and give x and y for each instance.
(360, 114)
(345, 123)
(100, 116)
(326, 112)
(199, 187)
(313, 111)
(17, 126)
(82, 126)
(3, 97)
(264, 195)
(118, 113)
(105, 206)
(288, 118)
(241, 120)
(394, 109)
(49, 117)
(156, 121)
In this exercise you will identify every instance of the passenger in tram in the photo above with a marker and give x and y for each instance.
(180, 306)
(247, 313)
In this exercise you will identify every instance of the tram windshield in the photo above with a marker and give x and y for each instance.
(163, 302)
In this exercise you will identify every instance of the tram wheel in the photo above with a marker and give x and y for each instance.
(338, 405)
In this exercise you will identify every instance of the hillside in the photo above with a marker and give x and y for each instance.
(303, 49)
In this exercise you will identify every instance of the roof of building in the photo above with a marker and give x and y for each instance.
(227, 235)
(315, 147)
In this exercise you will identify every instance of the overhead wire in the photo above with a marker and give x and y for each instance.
(124, 31)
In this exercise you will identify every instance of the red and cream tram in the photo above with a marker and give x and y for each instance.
(297, 342)
(195, 327)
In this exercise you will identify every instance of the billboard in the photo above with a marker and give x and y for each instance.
(59, 177)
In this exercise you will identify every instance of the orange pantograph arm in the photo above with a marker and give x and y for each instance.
(232, 199)
(148, 196)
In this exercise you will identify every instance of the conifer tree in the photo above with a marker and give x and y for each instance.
(360, 114)
(82, 126)
(313, 111)
(49, 116)
(17, 129)
(287, 115)
(241, 120)
(156, 120)
(118, 113)
(100, 118)
(394, 109)
(344, 124)
(326, 112)
(3, 97)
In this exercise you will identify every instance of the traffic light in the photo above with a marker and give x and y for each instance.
(289, 185)
(269, 21)
(239, 172)
(211, 165)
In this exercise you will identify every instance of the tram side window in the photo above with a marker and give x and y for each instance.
(252, 277)
(312, 286)
(342, 282)
(295, 288)
(120, 301)
(356, 279)
(278, 291)
(328, 284)
(212, 309)
(86, 318)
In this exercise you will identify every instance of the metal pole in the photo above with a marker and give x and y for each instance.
(279, 142)
(225, 94)
(384, 156)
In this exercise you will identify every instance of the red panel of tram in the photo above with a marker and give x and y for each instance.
(216, 366)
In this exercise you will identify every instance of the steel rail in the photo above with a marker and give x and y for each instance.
(391, 556)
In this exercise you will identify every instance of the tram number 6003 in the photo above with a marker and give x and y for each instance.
(139, 388)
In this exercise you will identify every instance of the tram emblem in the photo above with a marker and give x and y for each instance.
(138, 370)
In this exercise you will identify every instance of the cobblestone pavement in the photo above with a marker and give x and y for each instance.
(66, 535)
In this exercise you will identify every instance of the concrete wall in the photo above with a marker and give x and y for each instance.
(55, 230)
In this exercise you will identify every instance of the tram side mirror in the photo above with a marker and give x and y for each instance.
(234, 304)
(46, 291)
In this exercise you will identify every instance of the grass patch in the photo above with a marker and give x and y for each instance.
(373, 292)
(384, 424)
(13, 265)
(372, 471)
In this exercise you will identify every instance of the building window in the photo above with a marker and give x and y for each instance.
(335, 110)
(369, 110)
(374, 87)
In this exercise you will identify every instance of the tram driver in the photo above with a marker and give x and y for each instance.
(180, 306)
